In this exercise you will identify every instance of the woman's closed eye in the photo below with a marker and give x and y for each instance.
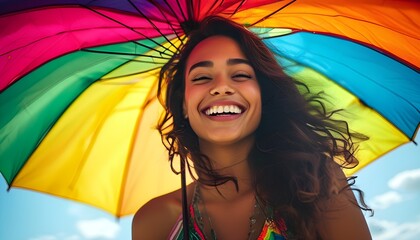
(201, 78)
(242, 76)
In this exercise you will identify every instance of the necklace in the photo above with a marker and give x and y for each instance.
(202, 215)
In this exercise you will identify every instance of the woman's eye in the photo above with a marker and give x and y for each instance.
(242, 76)
(201, 78)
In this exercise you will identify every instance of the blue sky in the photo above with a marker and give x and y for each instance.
(391, 185)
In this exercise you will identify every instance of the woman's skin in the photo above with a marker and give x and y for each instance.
(218, 76)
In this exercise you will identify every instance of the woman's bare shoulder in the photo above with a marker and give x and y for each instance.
(340, 217)
(156, 218)
(162, 211)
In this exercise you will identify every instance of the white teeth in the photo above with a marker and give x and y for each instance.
(223, 109)
(226, 109)
(220, 109)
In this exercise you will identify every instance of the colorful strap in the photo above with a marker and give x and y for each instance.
(269, 230)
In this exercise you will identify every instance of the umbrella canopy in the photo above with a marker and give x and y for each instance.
(78, 103)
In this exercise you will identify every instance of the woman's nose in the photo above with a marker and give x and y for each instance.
(221, 87)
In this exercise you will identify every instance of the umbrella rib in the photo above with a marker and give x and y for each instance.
(126, 54)
(237, 8)
(180, 9)
(228, 6)
(190, 9)
(58, 34)
(221, 3)
(274, 12)
(170, 8)
(166, 19)
(151, 48)
(132, 29)
(145, 61)
(213, 5)
(152, 24)
(131, 74)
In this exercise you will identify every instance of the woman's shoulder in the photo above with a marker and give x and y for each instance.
(156, 218)
(340, 217)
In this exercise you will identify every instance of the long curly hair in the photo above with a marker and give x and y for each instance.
(296, 143)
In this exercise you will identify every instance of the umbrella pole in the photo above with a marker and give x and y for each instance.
(185, 216)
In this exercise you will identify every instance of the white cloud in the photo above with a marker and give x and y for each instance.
(406, 180)
(385, 200)
(385, 230)
(98, 228)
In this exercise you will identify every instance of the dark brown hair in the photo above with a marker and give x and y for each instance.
(296, 142)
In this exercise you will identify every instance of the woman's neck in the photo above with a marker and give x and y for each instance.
(231, 160)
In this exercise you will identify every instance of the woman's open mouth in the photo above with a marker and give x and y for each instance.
(223, 110)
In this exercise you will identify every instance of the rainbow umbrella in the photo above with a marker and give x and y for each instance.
(78, 81)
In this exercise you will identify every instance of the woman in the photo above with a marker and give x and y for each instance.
(264, 154)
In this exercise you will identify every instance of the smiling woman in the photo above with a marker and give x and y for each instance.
(220, 78)
(264, 153)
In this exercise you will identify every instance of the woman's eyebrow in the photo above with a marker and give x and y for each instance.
(234, 61)
(201, 64)
(230, 61)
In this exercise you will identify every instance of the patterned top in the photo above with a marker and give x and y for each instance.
(269, 230)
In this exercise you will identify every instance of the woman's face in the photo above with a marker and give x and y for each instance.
(222, 96)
